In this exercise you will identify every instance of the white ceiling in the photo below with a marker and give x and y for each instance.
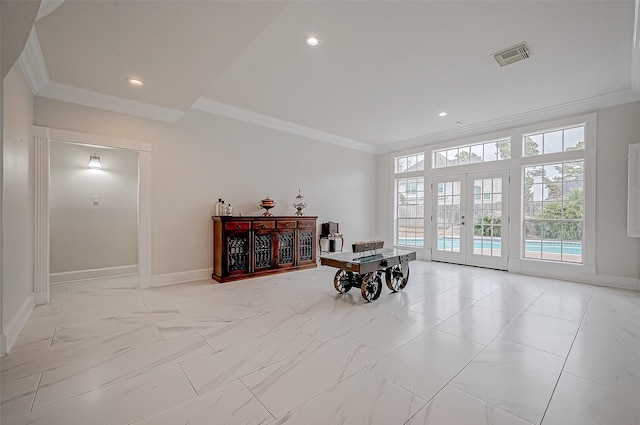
(381, 74)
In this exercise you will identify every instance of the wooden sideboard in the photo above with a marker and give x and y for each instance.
(253, 246)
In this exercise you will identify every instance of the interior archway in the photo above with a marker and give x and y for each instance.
(42, 140)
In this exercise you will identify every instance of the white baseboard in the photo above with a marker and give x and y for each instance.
(180, 277)
(76, 275)
(422, 254)
(613, 281)
(41, 298)
(16, 324)
(145, 282)
(571, 272)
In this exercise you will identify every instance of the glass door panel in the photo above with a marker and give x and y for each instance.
(480, 240)
(448, 215)
(488, 235)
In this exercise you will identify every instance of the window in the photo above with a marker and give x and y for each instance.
(410, 211)
(478, 194)
(494, 150)
(547, 179)
(563, 140)
(410, 163)
(409, 200)
(412, 188)
(553, 195)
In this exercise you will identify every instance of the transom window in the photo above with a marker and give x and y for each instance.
(409, 163)
(563, 140)
(494, 150)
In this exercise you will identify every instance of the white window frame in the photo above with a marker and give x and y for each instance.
(407, 175)
(475, 142)
(405, 155)
(558, 268)
(517, 264)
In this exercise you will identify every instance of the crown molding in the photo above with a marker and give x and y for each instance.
(94, 99)
(32, 63)
(228, 111)
(553, 112)
(34, 68)
(47, 6)
(635, 50)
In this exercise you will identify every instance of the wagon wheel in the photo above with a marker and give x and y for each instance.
(343, 281)
(395, 280)
(371, 286)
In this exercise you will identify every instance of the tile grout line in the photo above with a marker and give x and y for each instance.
(187, 376)
(391, 314)
(36, 392)
(603, 385)
(474, 357)
(256, 397)
(566, 359)
(401, 387)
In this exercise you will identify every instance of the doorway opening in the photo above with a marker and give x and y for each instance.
(93, 211)
(43, 137)
(470, 219)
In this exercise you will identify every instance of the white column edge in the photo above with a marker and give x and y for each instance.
(41, 217)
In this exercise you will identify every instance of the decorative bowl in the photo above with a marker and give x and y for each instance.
(266, 204)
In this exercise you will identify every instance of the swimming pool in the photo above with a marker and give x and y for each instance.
(549, 247)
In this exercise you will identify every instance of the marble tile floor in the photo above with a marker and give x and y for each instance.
(459, 346)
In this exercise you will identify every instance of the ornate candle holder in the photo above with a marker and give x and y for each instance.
(299, 204)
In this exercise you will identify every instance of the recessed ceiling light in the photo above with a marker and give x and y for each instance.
(312, 41)
(442, 114)
(135, 82)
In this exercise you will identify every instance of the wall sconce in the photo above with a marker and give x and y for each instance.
(94, 161)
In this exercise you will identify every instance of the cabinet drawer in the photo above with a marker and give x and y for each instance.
(286, 224)
(237, 225)
(258, 225)
(306, 223)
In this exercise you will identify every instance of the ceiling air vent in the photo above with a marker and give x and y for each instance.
(512, 54)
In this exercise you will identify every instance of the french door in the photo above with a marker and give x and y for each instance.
(470, 219)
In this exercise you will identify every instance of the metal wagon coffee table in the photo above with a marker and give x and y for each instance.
(365, 271)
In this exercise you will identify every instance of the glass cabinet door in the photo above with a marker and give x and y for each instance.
(238, 252)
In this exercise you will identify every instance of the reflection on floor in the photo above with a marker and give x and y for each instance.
(460, 345)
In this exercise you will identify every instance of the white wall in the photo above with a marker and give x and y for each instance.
(204, 157)
(17, 204)
(84, 235)
(617, 256)
(384, 218)
(3, 348)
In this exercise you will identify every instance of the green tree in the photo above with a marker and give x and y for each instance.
(504, 148)
(465, 158)
(567, 172)
(561, 216)
(531, 148)
(489, 226)
(578, 146)
(554, 188)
